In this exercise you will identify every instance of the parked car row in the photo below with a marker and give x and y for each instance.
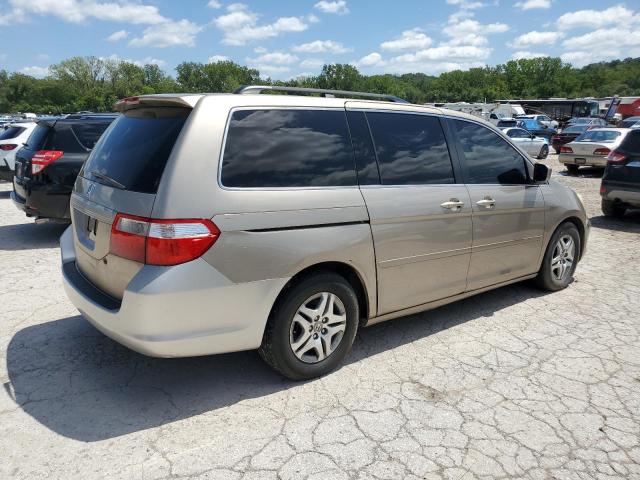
(12, 137)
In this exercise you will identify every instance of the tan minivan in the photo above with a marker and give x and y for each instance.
(213, 223)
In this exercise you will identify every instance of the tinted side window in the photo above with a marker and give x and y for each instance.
(62, 138)
(89, 133)
(38, 136)
(411, 149)
(631, 143)
(518, 133)
(363, 149)
(288, 148)
(487, 157)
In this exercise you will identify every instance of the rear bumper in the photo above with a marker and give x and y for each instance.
(582, 160)
(180, 311)
(622, 193)
(41, 200)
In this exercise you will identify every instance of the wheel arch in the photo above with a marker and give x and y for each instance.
(579, 226)
(345, 270)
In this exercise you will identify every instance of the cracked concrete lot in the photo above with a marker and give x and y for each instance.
(514, 383)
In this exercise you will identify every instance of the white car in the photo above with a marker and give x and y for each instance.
(537, 147)
(11, 139)
(543, 119)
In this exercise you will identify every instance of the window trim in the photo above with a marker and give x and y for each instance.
(223, 146)
(461, 159)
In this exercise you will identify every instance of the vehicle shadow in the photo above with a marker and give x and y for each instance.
(29, 236)
(84, 386)
(629, 223)
(584, 172)
(5, 193)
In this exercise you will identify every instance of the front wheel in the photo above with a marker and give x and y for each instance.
(312, 327)
(544, 152)
(560, 259)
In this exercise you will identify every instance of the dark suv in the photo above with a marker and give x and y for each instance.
(620, 187)
(48, 164)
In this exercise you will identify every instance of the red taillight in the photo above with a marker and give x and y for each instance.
(566, 150)
(617, 158)
(161, 242)
(602, 151)
(8, 146)
(603, 189)
(44, 158)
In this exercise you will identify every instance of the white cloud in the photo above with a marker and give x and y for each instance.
(117, 36)
(240, 25)
(274, 58)
(312, 63)
(77, 11)
(536, 38)
(214, 4)
(409, 40)
(272, 69)
(531, 4)
(445, 52)
(168, 34)
(218, 58)
(466, 4)
(145, 61)
(321, 46)
(612, 17)
(602, 38)
(35, 71)
(337, 6)
(374, 59)
(469, 26)
(523, 54)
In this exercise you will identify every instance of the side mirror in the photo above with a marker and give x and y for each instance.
(541, 173)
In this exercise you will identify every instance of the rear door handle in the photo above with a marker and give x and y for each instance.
(486, 202)
(453, 204)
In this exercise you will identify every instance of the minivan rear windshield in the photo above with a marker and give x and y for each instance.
(135, 148)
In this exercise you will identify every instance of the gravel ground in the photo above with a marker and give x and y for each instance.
(510, 383)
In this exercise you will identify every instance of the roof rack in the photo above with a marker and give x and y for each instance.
(322, 91)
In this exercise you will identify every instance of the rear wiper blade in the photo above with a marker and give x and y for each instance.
(109, 180)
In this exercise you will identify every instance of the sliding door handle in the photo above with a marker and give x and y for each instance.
(486, 202)
(453, 204)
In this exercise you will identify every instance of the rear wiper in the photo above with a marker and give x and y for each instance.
(109, 180)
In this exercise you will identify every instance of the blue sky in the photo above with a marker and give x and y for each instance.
(284, 39)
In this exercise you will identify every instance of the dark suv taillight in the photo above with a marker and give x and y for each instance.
(617, 158)
(43, 158)
(159, 241)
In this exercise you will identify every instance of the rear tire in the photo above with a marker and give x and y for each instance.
(613, 209)
(544, 152)
(560, 258)
(296, 341)
(572, 169)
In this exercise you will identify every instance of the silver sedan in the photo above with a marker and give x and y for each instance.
(537, 147)
(592, 148)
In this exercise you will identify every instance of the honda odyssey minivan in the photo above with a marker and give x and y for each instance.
(212, 223)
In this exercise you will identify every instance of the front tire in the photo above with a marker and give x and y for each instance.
(560, 259)
(544, 152)
(312, 327)
(613, 209)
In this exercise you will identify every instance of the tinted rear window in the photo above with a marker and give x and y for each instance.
(11, 132)
(574, 129)
(135, 149)
(411, 149)
(61, 137)
(598, 136)
(288, 148)
(631, 143)
(38, 136)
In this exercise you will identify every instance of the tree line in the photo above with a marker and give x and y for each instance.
(91, 83)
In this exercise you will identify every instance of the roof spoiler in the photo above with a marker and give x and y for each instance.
(166, 100)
